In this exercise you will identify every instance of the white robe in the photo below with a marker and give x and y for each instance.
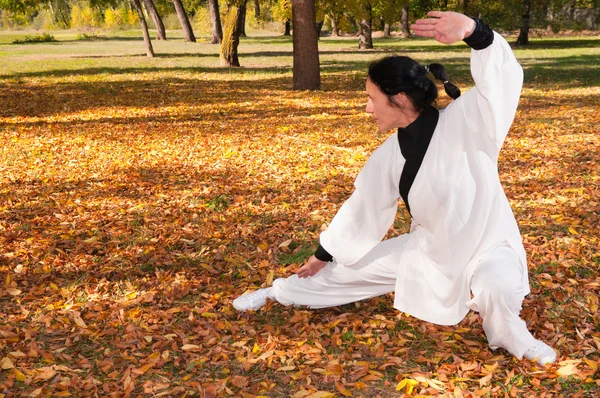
(458, 205)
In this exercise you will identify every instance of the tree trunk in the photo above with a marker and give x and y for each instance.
(334, 24)
(523, 38)
(319, 28)
(188, 33)
(61, 13)
(307, 72)
(256, 9)
(231, 36)
(386, 30)
(138, 8)
(288, 28)
(404, 23)
(160, 27)
(243, 20)
(365, 39)
(215, 22)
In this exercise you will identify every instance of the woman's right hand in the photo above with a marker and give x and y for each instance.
(312, 266)
(445, 26)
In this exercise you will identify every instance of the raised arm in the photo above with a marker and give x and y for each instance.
(363, 220)
(497, 74)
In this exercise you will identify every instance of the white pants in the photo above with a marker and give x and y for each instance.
(496, 287)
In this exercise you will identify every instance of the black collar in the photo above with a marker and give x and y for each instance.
(414, 140)
(418, 132)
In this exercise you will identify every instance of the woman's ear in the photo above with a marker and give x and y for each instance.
(400, 99)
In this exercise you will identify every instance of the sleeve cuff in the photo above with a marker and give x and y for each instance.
(323, 255)
(482, 37)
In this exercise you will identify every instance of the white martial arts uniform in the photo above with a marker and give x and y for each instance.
(463, 239)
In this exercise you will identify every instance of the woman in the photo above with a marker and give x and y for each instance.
(464, 249)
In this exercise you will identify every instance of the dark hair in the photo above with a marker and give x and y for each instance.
(398, 74)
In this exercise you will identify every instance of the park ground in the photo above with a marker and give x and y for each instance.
(139, 196)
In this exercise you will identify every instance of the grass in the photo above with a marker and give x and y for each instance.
(191, 175)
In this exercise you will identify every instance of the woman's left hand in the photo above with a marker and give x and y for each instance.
(445, 26)
(312, 266)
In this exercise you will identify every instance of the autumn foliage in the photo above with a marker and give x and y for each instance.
(139, 197)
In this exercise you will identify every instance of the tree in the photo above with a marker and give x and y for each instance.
(188, 33)
(242, 22)
(365, 38)
(160, 27)
(404, 27)
(138, 8)
(231, 36)
(306, 68)
(215, 21)
(282, 11)
(523, 38)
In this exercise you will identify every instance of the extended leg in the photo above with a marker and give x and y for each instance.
(498, 294)
(336, 284)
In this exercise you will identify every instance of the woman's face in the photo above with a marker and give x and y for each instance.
(387, 115)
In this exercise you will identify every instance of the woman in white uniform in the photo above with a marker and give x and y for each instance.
(464, 249)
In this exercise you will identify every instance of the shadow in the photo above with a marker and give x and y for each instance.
(128, 70)
(542, 44)
(156, 94)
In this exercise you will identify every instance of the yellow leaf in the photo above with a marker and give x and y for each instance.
(190, 347)
(321, 394)
(7, 363)
(79, 321)
(285, 244)
(409, 384)
(19, 375)
(573, 231)
(210, 315)
(286, 368)
(591, 364)
(568, 369)
(255, 349)
(91, 240)
(45, 373)
(342, 390)
(12, 291)
(62, 394)
(270, 277)
(143, 369)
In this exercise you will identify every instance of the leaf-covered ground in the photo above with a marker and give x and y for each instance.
(139, 196)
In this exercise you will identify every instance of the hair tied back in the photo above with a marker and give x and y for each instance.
(439, 72)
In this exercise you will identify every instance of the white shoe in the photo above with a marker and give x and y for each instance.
(252, 301)
(541, 352)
